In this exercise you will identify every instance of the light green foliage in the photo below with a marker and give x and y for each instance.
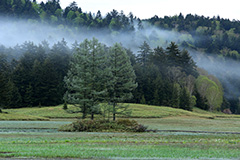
(209, 89)
(54, 19)
(79, 21)
(202, 30)
(70, 15)
(58, 12)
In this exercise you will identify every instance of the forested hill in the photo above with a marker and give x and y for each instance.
(210, 41)
(211, 35)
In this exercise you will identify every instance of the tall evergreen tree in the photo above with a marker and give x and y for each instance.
(84, 78)
(173, 54)
(143, 56)
(122, 81)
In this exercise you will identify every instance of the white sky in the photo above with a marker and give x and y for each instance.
(147, 9)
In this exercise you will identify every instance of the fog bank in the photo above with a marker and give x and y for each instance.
(13, 32)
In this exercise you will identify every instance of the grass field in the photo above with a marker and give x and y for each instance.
(119, 145)
(40, 139)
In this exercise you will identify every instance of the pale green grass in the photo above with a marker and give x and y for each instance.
(150, 111)
(32, 124)
(19, 116)
(187, 123)
(138, 111)
(48, 112)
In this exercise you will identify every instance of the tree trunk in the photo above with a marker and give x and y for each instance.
(84, 111)
(114, 111)
(92, 116)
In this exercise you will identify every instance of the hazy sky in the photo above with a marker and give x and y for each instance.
(149, 8)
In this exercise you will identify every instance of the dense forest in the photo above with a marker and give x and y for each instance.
(167, 73)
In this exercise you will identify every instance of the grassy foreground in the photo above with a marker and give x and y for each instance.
(17, 140)
(119, 145)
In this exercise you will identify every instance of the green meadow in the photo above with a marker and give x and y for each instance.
(175, 134)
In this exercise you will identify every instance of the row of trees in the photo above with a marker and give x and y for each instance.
(52, 13)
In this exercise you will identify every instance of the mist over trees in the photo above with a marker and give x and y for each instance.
(97, 73)
(32, 72)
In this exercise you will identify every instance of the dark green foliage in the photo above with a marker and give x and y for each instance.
(3, 81)
(164, 76)
(144, 52)
(121, 80)
(201, 102)
(122, 125)
(85, 77)
(37, 76)
(185, 100)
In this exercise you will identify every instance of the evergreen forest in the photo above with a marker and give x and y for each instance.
(176, 61)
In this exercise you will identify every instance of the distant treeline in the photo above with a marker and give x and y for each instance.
(211, 35)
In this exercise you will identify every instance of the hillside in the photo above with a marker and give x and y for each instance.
(138, 111)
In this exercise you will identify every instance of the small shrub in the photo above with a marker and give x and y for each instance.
(123, 125)
(140, 128)
(65, 107)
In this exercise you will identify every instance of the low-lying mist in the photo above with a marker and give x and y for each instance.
(13, 32)
(226, 70)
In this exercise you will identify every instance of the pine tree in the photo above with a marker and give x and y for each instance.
(85, 76)
(187, 64)
(173, 54)
(143, 56)
(122, 80)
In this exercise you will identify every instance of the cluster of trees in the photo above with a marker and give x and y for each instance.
(99, 74)
(36, 77)
(214, 35)
(96, 73)
(170, 77)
